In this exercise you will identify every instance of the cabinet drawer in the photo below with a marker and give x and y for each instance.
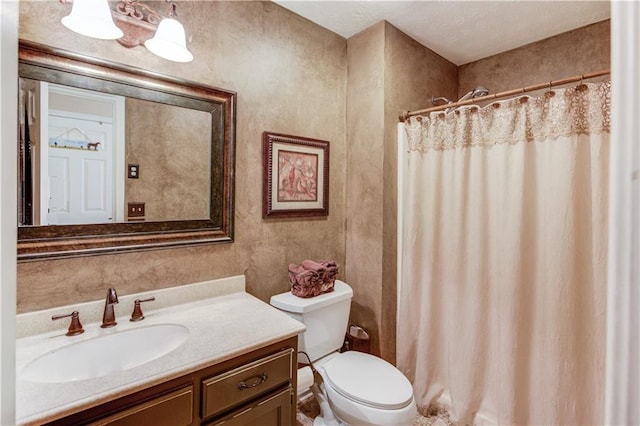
(226, 390)
(172, 409)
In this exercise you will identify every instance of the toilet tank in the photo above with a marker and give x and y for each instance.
(325, 316)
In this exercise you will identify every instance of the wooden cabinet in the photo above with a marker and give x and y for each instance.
(257, 388)
(275, 409)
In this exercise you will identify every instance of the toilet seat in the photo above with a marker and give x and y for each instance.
(368, 380)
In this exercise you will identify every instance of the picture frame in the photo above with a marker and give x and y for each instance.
(295, 176)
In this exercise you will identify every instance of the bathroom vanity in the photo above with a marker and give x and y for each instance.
(212, 395)
(236, 366)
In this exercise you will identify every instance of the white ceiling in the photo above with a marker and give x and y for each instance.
(461, 31)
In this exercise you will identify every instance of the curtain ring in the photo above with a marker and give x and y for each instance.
(582, 86)
(550, 92)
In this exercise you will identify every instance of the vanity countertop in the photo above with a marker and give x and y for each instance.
(220, 328)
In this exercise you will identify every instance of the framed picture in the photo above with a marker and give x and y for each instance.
(296, 176)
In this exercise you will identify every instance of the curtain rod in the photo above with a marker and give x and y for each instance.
(405, 115)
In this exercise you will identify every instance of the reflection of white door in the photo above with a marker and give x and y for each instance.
(81, 174)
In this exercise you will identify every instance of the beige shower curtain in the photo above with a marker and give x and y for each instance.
(503, 293)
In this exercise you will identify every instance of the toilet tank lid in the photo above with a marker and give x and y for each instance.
(290, 303)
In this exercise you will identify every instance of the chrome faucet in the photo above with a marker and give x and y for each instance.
(109, 316)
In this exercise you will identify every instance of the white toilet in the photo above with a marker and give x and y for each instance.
(361, 389)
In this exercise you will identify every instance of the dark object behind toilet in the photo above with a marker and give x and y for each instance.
(357, 339)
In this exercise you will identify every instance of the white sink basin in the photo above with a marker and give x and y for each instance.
(106, 354)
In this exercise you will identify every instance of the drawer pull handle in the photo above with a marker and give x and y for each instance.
(257, 380)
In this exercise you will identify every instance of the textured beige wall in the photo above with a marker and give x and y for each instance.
(172, 147)
(388, 73)
(365, 156)
(290, 76)
(580, 51)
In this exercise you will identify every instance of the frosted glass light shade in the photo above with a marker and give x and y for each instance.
(170, 42)
(92, 18)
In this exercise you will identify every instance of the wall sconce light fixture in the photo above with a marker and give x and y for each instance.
(132, 24)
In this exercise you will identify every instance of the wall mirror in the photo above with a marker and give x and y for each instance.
(115, 158)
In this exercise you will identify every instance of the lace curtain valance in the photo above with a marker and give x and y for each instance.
(582, 109)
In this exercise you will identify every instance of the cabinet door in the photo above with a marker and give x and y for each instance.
(273, 410)
(173, 409)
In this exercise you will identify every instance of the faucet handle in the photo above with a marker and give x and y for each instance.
(137, 315)
(75, 327)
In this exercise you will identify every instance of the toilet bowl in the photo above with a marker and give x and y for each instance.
(365, 390)
(357, 388)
